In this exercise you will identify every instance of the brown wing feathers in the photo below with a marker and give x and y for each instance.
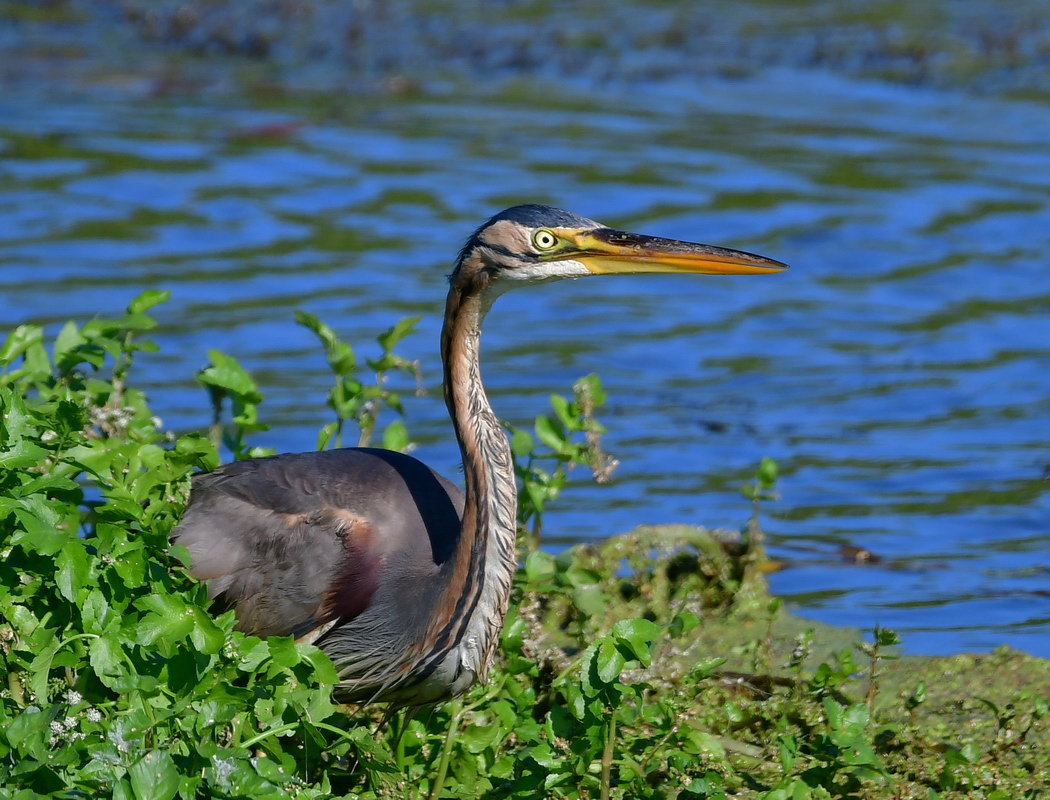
(279, 554)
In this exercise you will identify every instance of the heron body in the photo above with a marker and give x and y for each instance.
(400, 577)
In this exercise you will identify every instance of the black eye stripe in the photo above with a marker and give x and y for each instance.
(508, 254)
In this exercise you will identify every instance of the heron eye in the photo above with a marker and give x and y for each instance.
(544, 239)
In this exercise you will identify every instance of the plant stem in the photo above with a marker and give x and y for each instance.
(607, 755)
(656, 749)
(873, 675)
(291, 726)
(446, 750)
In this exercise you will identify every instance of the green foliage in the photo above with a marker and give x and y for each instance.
(118, 681)
(881, 638)
(353, 397)
(225, 378)
(762, 489)
(612, 682)
(571, 437)
(765, 482)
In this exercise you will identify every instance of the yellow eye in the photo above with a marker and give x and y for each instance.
(544, 239)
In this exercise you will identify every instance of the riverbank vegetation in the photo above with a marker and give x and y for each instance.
(652, 665)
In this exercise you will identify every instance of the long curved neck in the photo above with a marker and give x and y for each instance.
(483, 566)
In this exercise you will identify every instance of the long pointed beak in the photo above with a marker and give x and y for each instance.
(605, 250)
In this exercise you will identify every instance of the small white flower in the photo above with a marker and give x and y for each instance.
(56, 728)
(69, 723)
(73, 697)
(94, 715)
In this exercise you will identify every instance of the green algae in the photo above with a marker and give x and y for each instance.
(965, 726)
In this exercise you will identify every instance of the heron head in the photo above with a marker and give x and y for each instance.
(536, 243)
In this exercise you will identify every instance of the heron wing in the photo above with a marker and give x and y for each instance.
(298, 542)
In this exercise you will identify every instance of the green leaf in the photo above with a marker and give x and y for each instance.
(917, 697)
(206, 636)
(682, 623)
(19, 341)
(521, 443)
(767, 472)
(324, 436)
(273, 771)
(395, 436)
(733, 712)
(587, 685)
(154, 629)
(609, 661)
(48, 485)
(106, 656)
(512, 638)
(27, 731)
(581, 576)
(788, 752)
(39, 526)
(22, 453)
(340, 355)
(324, 670)
(1039, 706)
(251, 653)
(226, 373)
(635, 636)
(476, 739)
(169, 620)
(122, 790)
(148, 299)
(590, 600)
(395, 334)
(855, 718)
(885, 637)
(637, 629)
(136, 322)
(16, 433)
(66, 342)
(237, 778)
(283, 652)
(563, 409)
(833, 710)
(69, 420)
(539, 567)
(537, 494)
(71, 570)
(550, 433)
(154, 777)
(544, 756)
(95, 611)
(46, 646)
(590, 386)
(707, 666)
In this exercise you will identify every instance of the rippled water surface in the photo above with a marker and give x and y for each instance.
(899, 372)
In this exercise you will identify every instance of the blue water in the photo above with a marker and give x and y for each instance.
(899, 372)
